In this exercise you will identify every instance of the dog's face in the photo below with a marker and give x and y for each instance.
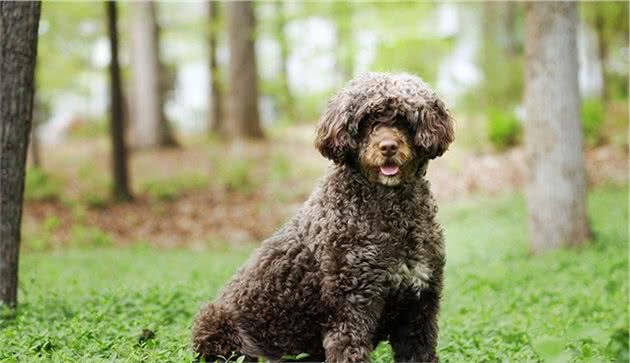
(386, 125)
(386, 154)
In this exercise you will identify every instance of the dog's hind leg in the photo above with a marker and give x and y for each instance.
(214, 334)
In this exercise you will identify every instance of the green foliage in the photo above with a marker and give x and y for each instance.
(383, 353)
(499, 303)
(95, 199)
(96, 188)
(502, 62)
(618, 345)
(171, 188)
(616, 128)
(592, 115)
(284, 176)
(311, 106)
(504, 129)
(42, 239)
(345, 50)
(40, 185)
(610, 21)
(501, 56)
(414, 55)
(234, 174)
(87, 236)
(295, 357)
(67, 34)
(393, 20)
(281, 168)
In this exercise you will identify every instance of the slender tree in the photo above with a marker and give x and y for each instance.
(120, 187)
(243, 75)
(555, 187)
(18, 50)
(610, 20)
(342, 18)
(215, 122)
(286, 102)
(149, 127)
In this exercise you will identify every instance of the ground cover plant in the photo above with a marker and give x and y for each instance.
(499, 303)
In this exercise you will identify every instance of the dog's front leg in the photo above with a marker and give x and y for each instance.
(353, 293)
(349, 334)
(354, 296)
(414, 335)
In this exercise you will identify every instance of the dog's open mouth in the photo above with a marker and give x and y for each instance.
(390, 169)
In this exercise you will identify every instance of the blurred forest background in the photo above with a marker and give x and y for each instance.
(217, 104)
(191, 185)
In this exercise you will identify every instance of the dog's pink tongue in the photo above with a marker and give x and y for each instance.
(389, 170)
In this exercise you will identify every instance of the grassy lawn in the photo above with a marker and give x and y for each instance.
(499, 303)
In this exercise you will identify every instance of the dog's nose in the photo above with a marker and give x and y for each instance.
(388, 147)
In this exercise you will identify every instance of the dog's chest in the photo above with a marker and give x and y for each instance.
(409, 275)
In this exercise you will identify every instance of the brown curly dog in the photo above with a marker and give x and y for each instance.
(362, 260)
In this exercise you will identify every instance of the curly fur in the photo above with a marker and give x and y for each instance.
(391, 96)
(360, 262)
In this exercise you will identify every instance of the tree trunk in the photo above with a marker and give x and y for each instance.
(117, 129)
(243, 89)
(18, 49)
(215, 122)
(36, 157)
(555, 187)
(342, 18)
(149, 127)
(287, 98)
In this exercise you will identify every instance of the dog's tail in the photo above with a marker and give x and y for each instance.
(214, 333)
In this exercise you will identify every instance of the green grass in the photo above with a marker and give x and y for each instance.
(499, 303)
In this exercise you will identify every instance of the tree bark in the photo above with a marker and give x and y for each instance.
(555, 187)
(215, 122)
(243, 89)
(149, 127)
(18, 50)
(120, 187)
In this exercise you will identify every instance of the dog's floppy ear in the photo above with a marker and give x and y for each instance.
(333, 136)
(434, 131)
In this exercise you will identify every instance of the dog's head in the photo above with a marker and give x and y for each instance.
(386, 124)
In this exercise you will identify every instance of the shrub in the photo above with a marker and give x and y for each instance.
(169, 189)
(81, 235)
(504, 129)
(95, 199)
(41, 240)
(234, 175)
(280, 168)
(592, 115)
(40, 185)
